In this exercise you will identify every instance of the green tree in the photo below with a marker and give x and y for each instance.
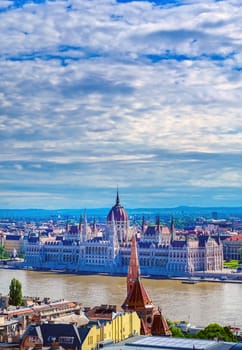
(240, 255)
(3, 253)
(216, 332)
(15, 293)
(176, 332)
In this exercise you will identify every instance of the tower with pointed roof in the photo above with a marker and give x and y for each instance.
(114, 242)
(134, 268)
(121, 219)
(172, 229)
(85, 227)
(137, 299)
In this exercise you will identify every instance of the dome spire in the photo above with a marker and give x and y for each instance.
(117, 198)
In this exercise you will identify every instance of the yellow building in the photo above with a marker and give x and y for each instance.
(123, 326)
(68, 336)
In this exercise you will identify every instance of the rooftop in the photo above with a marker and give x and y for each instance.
(170, 343)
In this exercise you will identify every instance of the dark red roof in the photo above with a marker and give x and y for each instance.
(235, 238)
(159, 325)
(137, 298)
(102, 312)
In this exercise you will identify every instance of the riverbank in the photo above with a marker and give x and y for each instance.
(218, 277)
(204, 279)
(200, 304)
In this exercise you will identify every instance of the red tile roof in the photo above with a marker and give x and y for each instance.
(235, 238)
(137, 297)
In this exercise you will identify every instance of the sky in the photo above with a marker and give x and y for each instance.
(145, 96)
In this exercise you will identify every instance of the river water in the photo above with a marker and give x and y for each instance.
(200, 304)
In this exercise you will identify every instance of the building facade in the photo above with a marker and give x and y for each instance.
(13, 244)
(232, 248)
(86, 249)
(69, 336)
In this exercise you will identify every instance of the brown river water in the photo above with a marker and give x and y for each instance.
(199, 304)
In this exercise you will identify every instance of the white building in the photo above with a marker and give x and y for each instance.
(84, 249)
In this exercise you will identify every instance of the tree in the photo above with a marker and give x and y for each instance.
(3, 253)
(240, 255)
(216, 332)
(15, 293)
(176, 332)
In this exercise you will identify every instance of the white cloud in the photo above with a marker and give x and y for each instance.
(226, 178)
(93, 93)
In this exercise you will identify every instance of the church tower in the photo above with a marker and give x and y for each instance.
(134, 269)
(137, 299)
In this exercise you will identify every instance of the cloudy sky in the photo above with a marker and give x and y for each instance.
(143, 95)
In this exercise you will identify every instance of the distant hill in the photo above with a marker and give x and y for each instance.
(134, 213)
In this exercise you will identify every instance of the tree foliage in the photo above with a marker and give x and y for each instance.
(176, 332)
(3, 253)
(216, 332)
(240, 255)
(232, 264)
(15, 293)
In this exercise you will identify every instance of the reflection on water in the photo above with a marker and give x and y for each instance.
(200, 303)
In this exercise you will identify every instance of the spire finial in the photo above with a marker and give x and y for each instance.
(117, 197)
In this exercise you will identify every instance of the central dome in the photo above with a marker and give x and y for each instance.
(117, 213)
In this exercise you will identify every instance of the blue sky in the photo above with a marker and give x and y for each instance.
(146, 95)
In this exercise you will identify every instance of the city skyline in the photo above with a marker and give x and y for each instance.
(143, 95)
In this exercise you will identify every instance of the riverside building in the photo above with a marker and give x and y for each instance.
(85, 249)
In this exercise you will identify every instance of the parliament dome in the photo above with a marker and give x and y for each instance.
(117, 213)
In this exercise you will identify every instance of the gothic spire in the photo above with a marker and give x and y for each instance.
(85, 236)
(80, 223)
(157, 222)
(172, 229)
(117, 198)
(143, 225)
(137, 298)
(94, 226)
(67, 224)
(134, 268)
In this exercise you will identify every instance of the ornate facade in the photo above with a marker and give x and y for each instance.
(86, 250)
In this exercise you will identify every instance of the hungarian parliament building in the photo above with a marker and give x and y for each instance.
(85, 249)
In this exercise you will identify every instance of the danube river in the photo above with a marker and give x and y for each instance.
(200, 304)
